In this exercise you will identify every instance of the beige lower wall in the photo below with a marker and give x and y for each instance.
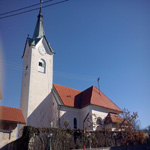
(6, 138)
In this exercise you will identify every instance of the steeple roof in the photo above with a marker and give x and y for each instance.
(39, 30)
(38, 33)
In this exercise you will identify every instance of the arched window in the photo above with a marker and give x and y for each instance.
(75, 123)
(42, 66)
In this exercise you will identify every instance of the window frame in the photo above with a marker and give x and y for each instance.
(42, 66)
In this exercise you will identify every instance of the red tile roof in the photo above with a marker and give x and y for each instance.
(68, 95)
(79, 99)
(93, 96)
(11, 114)
(114, 118)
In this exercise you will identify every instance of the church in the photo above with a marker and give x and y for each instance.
(45, 104)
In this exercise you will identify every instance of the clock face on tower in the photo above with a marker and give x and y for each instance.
(42, 50)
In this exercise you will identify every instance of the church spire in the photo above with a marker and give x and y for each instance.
(39, 28)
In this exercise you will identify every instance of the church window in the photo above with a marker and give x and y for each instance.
(75, 123)
(41, 66)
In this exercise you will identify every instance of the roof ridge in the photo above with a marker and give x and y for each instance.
(91, 93)
(88, 88)
(66, 87)
(97, 89)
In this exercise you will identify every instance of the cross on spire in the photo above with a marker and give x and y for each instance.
(98, 79)
(41, 1)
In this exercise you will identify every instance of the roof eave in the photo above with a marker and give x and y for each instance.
(117, 111)
(10, 121)
(25, 47)
(57, 97)
(51, 50)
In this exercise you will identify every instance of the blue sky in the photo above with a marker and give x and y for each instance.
(91, 38)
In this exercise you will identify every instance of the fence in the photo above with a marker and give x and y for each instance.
(65, 139)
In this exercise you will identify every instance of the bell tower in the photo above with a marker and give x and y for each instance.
(37, 76)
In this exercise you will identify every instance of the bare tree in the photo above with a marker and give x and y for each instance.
(131, 119)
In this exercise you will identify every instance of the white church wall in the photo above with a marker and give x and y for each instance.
(25, 83)
(83, 113)
(40, 83)
(67, 113)
(94, 112)
(54, 112)
(46, 114)
(98, 112)
(36, 86)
